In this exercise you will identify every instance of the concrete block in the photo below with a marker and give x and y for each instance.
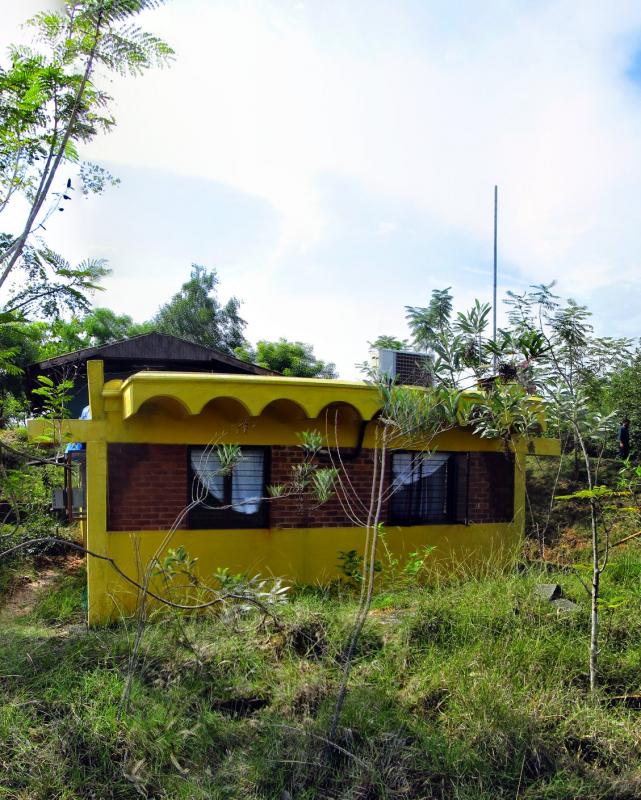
(563, 605)
(548, 591)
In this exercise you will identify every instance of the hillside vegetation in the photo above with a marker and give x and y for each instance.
(474, 688)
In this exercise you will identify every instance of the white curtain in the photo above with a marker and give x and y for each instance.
(410, 468)
(206, 466)
(246, 479)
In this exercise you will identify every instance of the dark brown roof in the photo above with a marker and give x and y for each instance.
(154, 347)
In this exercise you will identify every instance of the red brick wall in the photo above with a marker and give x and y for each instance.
(148, 486)
(303, 512)
(490, 487)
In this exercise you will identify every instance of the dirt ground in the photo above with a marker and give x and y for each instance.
(27, 589)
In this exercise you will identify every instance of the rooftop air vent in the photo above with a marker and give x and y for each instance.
(406, 367)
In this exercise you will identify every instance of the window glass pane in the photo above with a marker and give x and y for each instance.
(434, 486)
(247, 482)
(235, 499)
(433, 462)
(206, 466)
(420, 483)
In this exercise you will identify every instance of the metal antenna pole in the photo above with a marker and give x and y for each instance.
(496, 203)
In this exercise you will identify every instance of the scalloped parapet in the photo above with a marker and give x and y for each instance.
(194, 391)
(139, 408)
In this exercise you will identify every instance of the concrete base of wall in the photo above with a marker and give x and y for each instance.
(305, 556)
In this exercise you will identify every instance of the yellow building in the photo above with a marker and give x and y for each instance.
(149, 452)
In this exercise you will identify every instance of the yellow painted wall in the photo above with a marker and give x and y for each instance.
(306, 556)
(165, 408)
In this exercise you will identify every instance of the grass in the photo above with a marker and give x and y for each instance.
(471, 689)
(65, 603)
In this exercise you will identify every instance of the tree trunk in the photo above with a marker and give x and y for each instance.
(594, 630)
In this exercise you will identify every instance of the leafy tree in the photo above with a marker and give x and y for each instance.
(456, 345)
(410, 415)
(622, 396)
(427, 325)
(195, 313)
(549, 347)
(294, 359)
(385, 342)
(51, 285)
(98, 327)
(19, 346)
(50, 104)
(460, 347)
(571, 360)
(545, 338)
(104, 326)
(573, 367)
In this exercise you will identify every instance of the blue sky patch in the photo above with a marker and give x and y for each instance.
(633, 72)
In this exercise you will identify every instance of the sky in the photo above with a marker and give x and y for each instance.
(335, 161)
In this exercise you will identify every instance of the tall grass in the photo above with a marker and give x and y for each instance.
(473, 688)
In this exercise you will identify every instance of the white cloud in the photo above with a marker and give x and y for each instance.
(426, 104)
(387, 228)
(530, 96)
